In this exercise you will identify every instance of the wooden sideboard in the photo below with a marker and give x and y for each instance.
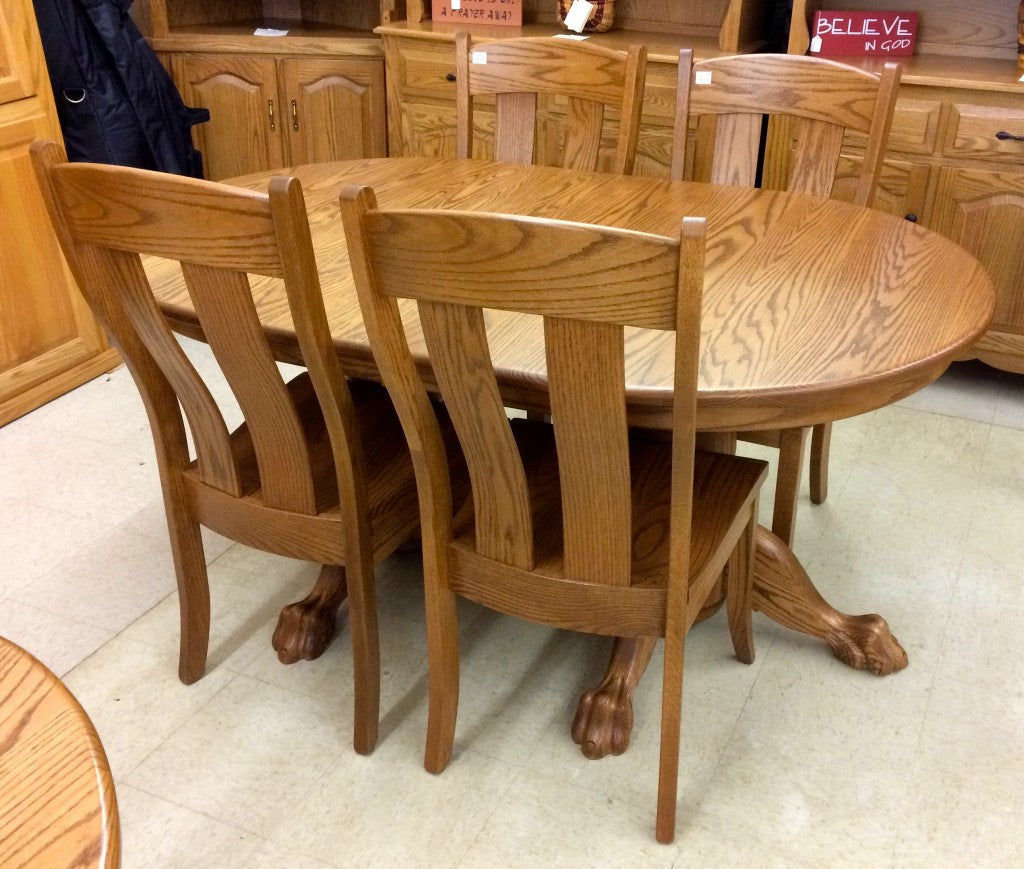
(420, 60)
(49, 342)
(947, 167)
(314, 93)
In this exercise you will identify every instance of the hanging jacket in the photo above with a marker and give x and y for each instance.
(115, 101)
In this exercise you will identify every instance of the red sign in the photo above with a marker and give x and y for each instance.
(478, 11)
(859, 33)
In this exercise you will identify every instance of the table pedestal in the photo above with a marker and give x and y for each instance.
(782, 591)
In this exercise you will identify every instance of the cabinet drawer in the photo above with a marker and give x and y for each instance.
(914, 130)
(973, 131)
(424, 68)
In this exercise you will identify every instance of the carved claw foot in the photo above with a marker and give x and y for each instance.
(865, 643)
(604, 721)
(305, 628)
(604, 716)
(784, 592)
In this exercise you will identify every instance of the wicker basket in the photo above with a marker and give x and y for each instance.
(599, 21)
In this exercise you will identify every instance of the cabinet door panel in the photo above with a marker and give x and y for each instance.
(48, 329)
(984, 212)
(335, 109)
(18, 76)
(244, 133)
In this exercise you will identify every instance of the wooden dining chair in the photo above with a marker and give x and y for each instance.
(810, 102)
(518, 72)
(319, 470)
(579, 523)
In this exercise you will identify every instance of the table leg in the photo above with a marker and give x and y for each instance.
(305, 628)
(782, 591)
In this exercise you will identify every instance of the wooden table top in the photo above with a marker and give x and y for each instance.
(57, 805)
(814, 310)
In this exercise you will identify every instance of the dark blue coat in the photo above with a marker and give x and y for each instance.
(115, 101)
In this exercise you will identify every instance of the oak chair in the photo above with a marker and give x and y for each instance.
(812, 103)
(591, 78)
(319, 470)
(579, 523)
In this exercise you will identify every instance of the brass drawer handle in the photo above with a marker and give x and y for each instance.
(1003, 136)
(295, 116)
(270, 110)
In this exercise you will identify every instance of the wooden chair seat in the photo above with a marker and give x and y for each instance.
(390, 483)
(721, 484)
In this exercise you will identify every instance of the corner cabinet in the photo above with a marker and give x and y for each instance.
(420, 59)
(49, 342)
(311, 92)
(955, 160)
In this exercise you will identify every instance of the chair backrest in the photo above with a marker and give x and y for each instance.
(107, 216)
(517, 71)
(810, 102)
(586, 282)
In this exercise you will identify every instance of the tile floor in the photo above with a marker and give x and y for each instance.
(794, 761)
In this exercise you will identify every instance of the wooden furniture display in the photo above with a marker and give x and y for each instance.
(516, 73)
(811, 103)
(316, 93)
(318, 470)
(881, 306)
(49, 342)
(579, 523)
(57, 802)
(421, 75)
(955, 160)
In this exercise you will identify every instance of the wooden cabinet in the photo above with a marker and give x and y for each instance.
(419, 56)
(244, 131)
(947, 163)
(49, 342)
(313, 92)
(268, 112)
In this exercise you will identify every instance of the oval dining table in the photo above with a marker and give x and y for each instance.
(814, 310)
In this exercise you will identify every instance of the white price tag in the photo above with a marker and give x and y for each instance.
(269, 31)
(815, 44)
(578, 15)
(702, 76)
(456, 4)
(478, 57)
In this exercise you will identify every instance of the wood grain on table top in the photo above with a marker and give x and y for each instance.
(813, 309)
(57, 804)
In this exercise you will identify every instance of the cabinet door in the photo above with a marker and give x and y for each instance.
(18, 75)
(49, 342)
(334, 108)
(983, 210)
(245, 130)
